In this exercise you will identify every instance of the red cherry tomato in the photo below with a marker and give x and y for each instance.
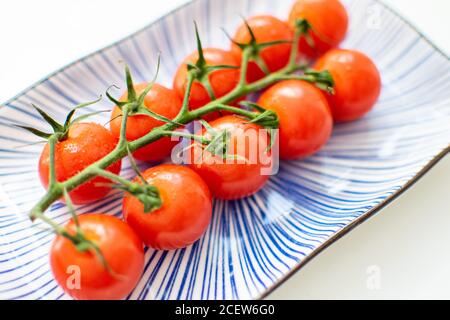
(240, 177)
(266, 29)
(82, 274)
(304, 115)
(357, 83)
(86, 143)
(329, 20)
(160, 100)
(185, 212)
(222, 81)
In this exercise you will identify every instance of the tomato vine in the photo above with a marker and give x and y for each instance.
(148, 195)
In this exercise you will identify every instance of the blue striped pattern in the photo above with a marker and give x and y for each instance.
(253, 243)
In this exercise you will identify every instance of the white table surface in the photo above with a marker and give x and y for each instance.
(403, 252)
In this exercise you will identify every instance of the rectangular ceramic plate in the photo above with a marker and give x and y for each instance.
(254, 244)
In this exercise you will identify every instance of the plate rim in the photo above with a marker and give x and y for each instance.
(355, 223)
(93, 53)
(376, 209)
(339, 234)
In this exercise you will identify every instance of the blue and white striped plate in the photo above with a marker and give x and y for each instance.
(254, 244)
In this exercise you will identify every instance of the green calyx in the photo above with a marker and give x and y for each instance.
(135, 103)
(84, 245)
(254, 48)
(322, 79)
(79, 240)
(218, 142)
(265, 118)
(148, 195)
(61, 131)
(200, 70)
(302, 28)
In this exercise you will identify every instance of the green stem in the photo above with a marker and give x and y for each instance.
(56, 227)
(185, 116)
(113, 177)
(244, 67)
(185, 106)
(52, 170)
(242, 112)
(294, 50)
(242, 91)
(187, 135)
(307, 78)
(123, 128)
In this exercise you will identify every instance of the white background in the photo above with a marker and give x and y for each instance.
(407, 244)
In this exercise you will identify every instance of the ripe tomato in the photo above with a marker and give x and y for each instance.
(222, 81)
(266, 29)
(185, 212)
(160, 100)
(305, 119)
(82, 274)
(86, 143)
(329, 20)
(357, 83)
(234, 178)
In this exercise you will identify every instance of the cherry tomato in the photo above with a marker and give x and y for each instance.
(82, 274)
(266, 29)
(160, 100)
(222, 81)
(328, 19)
(185, 212)
(86, 143)
(248, 172)
(357, 83)
(305, 119)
